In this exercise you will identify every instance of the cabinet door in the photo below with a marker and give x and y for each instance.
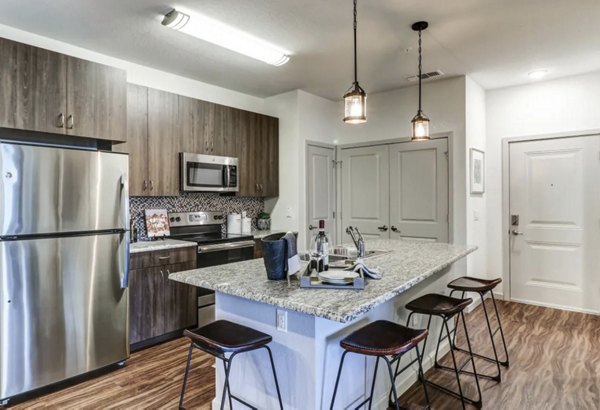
(270, 153)
(187, 111)
(32, 88)
(181, 305)
(96, 100)
(164, 143)
(250, 159)
(137, 139)
(204, 126)
(146, 303)
(226, 137)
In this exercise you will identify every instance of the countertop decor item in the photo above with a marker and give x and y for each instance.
(355, 99)
(420, 122)
(263, 223)
(157, 223)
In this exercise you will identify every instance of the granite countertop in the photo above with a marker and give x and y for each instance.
(160, 245)
(408, 263)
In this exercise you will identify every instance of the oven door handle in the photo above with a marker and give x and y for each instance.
(225, 246)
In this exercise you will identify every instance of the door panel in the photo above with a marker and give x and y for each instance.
(62, 309)
(419, 190)
(96, 100)
(320, 188)
(48, 190)
(365, 190)
(553, 250)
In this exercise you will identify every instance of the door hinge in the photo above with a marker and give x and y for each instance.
(335, 163)
(333, 214)
(446, 154)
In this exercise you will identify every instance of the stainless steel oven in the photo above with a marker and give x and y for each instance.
(208, 173)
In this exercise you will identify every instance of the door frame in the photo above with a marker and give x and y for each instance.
(317, 144)
(450, 145)
(506, 279)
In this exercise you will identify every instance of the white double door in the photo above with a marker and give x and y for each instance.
(555, 246)
(396, 190)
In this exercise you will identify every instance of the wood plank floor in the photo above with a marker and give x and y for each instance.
(554, 364)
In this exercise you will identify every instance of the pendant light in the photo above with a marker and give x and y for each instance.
(355, 99)
(420, 122)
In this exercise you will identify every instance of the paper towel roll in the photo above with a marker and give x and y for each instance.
(234, 223)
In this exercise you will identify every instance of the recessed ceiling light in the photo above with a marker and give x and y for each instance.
(538, 74)
(225, 36)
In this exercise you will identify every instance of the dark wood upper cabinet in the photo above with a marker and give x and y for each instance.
(137, 139)
(164, 143)
(44, 91)
(33, 87)
(96, 100)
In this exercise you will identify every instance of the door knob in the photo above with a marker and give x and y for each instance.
(310, 227)
(394, 229)
(517, 233)
(383, 228)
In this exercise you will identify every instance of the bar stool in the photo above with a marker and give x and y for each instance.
(381, 339)
(221, 337)
(446, 308)
(483, 286)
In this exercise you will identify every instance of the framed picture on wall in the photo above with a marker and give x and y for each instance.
(477, 164)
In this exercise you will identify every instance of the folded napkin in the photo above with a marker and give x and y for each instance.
(362, 269)
(293, 259)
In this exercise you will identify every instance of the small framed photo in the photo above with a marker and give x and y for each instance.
(157, 223)
(477, 165)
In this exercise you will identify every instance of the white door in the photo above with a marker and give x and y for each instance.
(366, 191)
(419, 190)
(555, 246)
(320, 191)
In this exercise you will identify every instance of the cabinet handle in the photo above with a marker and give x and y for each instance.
(206, 145)
(261, 187)
(162, 275)
(212, 146)
(60, 121)
(145, 185)
(151, 185)
(162, 258)
(70, 122)
(256, 186)
(168, 272)
(394, 229)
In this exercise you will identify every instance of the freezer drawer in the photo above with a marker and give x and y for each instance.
(62, 309)
(47, 190)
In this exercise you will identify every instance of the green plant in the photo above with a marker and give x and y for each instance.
(264, 215)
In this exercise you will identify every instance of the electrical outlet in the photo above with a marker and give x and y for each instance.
(414, 321)
(282, 320)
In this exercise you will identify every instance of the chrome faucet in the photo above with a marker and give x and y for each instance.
(358, 240)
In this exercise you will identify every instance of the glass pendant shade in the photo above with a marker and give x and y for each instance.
(420, 127)
(355, 105)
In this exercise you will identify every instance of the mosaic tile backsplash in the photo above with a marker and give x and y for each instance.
(193, 202)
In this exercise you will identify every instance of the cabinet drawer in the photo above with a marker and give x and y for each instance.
(143, 260)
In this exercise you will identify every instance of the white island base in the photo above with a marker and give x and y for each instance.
(307, 355)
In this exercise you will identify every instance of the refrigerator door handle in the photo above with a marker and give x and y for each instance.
(124, 260)
(124, 199)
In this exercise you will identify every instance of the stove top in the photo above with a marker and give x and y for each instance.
(202, 227)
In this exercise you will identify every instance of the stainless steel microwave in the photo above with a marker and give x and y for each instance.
(208, 173)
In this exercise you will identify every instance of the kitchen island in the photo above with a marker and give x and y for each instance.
(307, 351)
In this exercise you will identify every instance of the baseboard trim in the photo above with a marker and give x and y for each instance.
(556, 306)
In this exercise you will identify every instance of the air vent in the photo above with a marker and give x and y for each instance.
(426, 76)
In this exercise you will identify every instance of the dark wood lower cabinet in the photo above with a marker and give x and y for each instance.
(159, 308)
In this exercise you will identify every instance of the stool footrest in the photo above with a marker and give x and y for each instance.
(489, 359)
(454, 394)
(470, 373)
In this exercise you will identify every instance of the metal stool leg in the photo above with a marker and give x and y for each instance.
(478, 402)
(498, 377)
(422, 376)
(226, 387)
(505, 363)
(389, 366)
(373, 383)
(275, 376)
(185, 376)
(337, 380)
(462, 396)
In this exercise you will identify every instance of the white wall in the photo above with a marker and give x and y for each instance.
(143, 75)
(565, 105)
(475, 126)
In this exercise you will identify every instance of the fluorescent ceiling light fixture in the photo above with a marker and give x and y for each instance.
(225, 36)
(537, 74)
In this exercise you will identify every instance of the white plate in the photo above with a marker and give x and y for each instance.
(338, 276)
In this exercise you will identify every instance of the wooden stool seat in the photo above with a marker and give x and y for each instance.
(383, 338)
(469, 284)
(224, 336)
(434, 304)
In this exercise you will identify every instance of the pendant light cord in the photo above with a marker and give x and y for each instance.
(420, 68)
(355, 58)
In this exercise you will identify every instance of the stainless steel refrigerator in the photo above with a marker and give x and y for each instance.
(64, 248)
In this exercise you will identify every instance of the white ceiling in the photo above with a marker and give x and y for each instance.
(497, 42)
